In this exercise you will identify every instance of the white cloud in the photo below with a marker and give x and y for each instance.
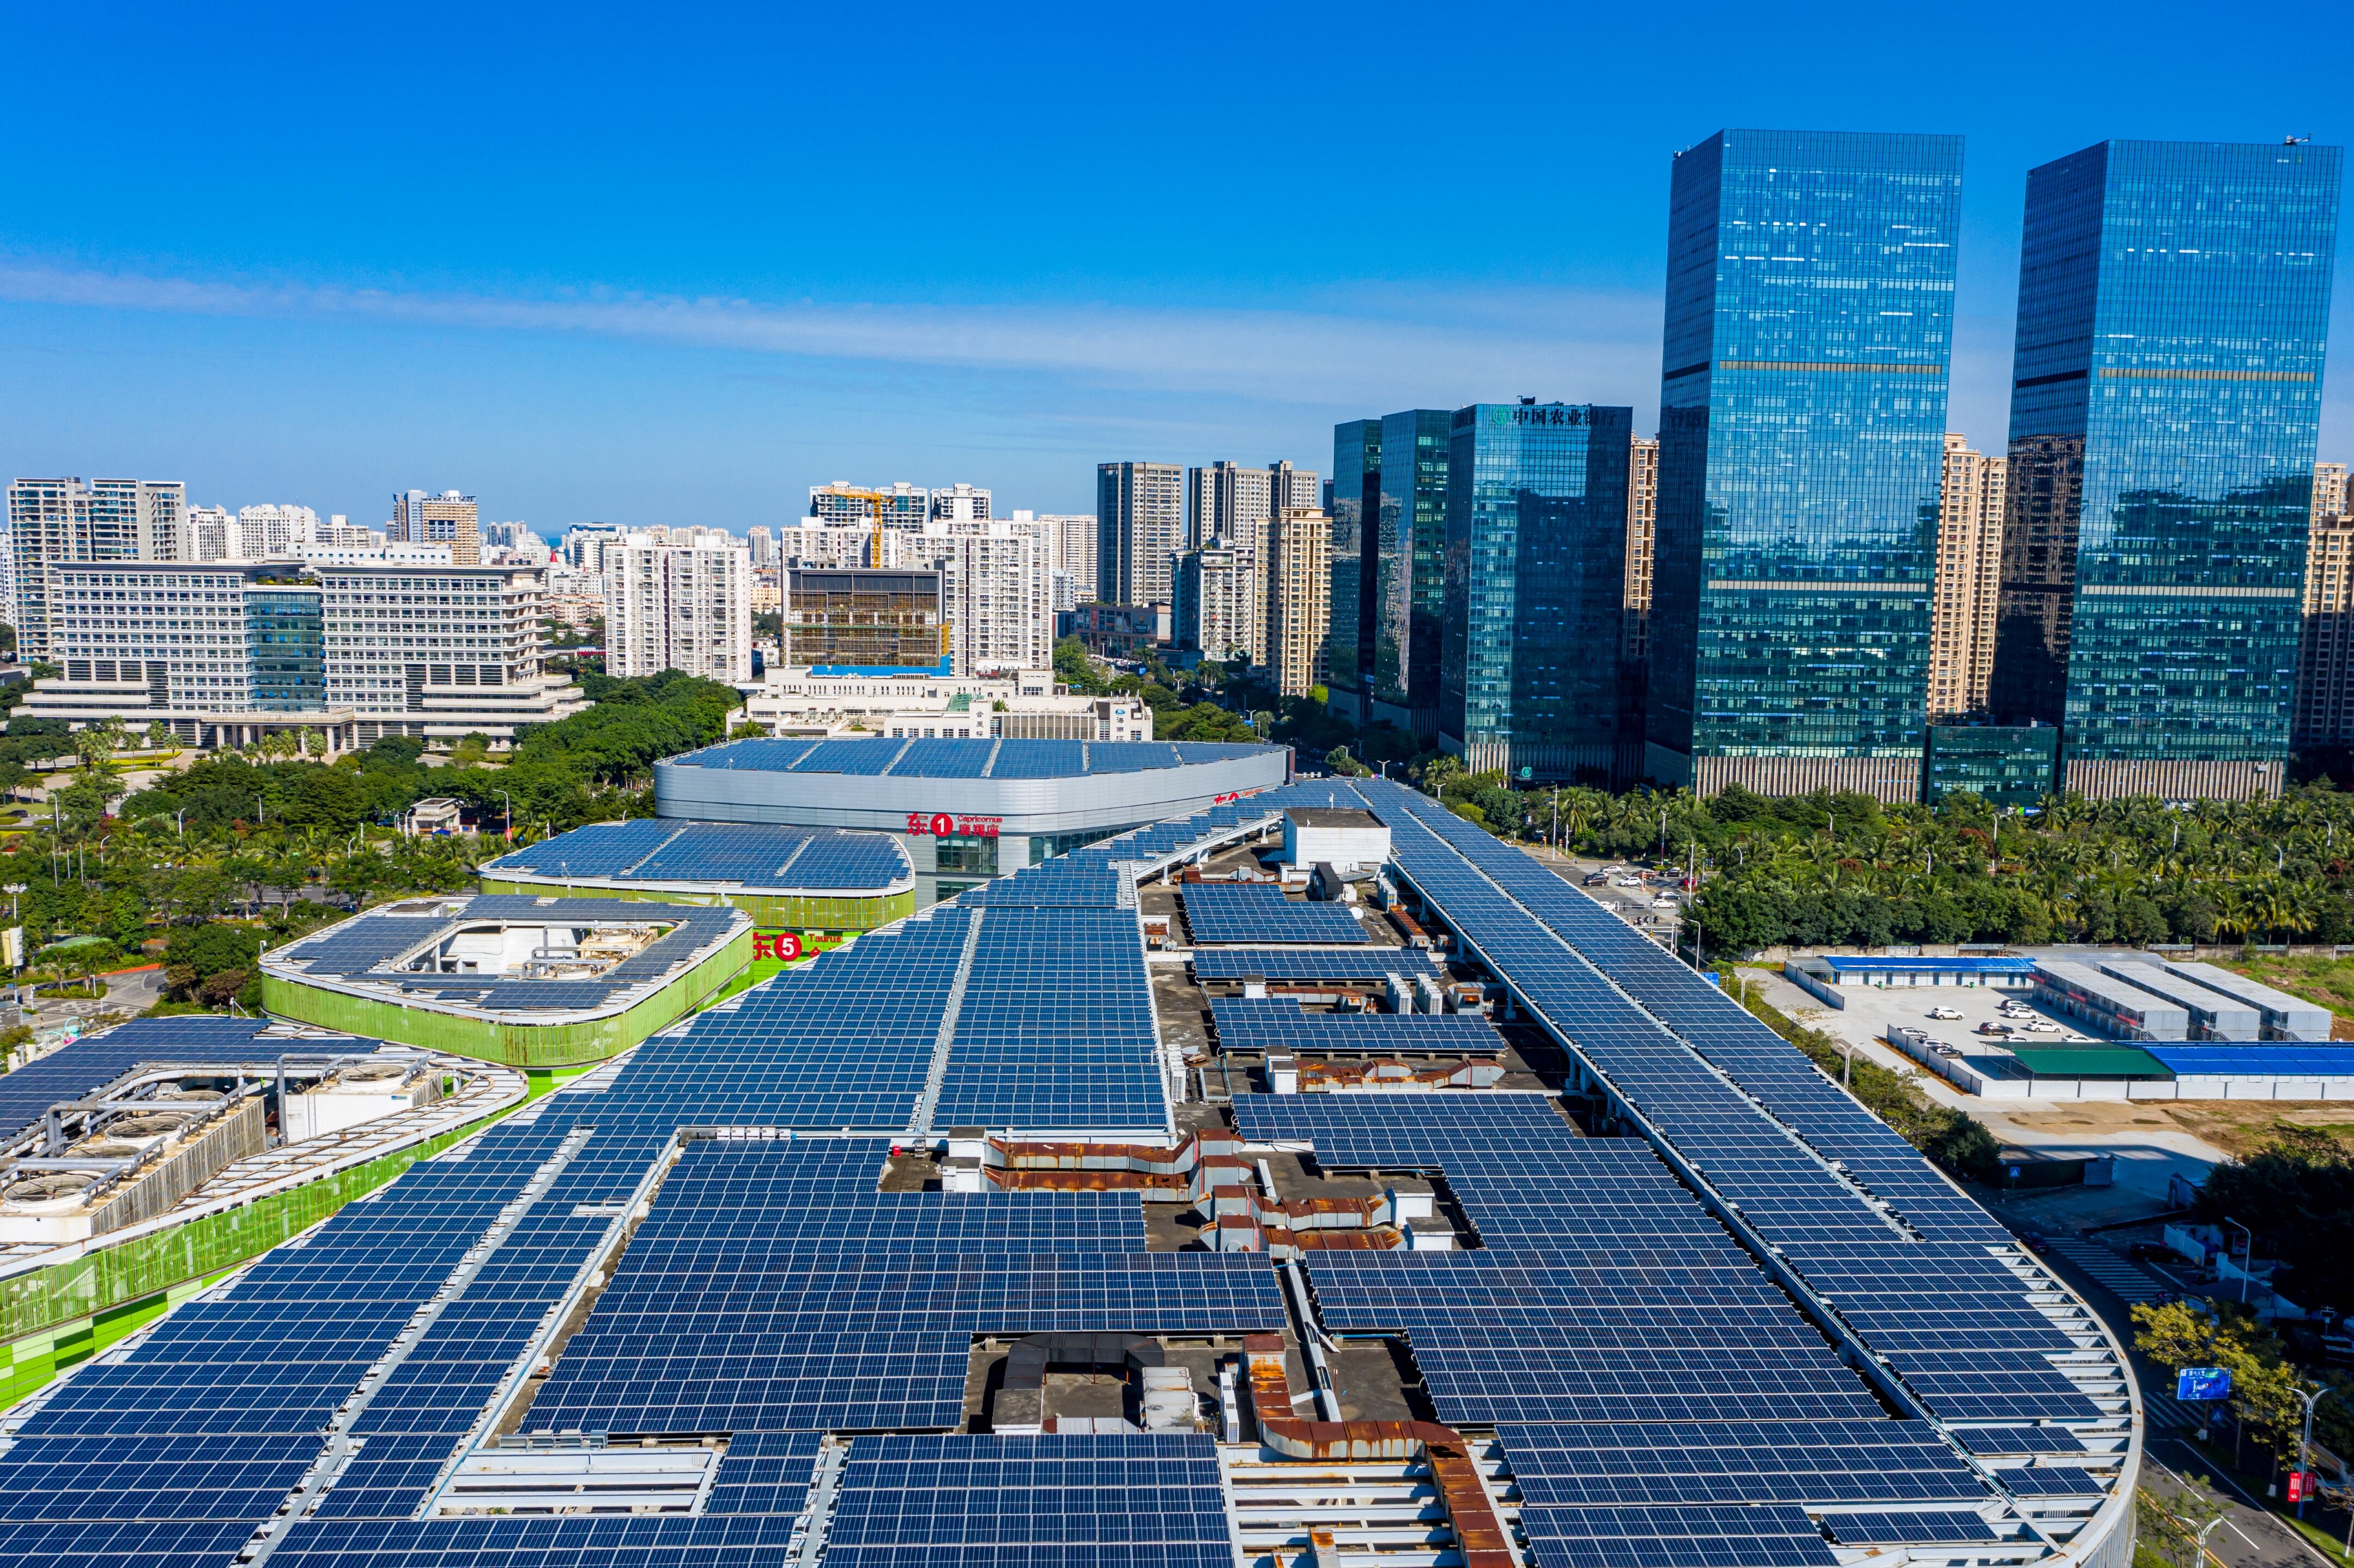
(1430, 349)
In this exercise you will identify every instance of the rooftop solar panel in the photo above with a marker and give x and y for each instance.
(1279, 1024)
(1256, 912)
(1363, 963)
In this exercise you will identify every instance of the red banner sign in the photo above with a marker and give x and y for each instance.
(947, 824)
(783, 947)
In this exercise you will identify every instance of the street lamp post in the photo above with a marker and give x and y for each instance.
(2207, 1529)
(510, 812)
(2304, 1443)
(2251, 1256)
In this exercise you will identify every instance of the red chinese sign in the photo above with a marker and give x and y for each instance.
(1228, 799)
(945, 824)
(783, 947)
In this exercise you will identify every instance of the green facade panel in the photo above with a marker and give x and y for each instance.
(515, 1044)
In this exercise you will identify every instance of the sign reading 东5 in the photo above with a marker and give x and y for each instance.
(945, 824)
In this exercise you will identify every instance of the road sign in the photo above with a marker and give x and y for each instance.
(2203, 1382)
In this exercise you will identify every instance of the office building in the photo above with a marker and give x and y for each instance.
(63, 522)
(1220, 607)
(223, 653)
(1532, 681)
(864, 621)
(1969, 571)
(900, 505)
(679, 607)
(996, 590)
(449, 518)
(1356, 498)
(959, 504)
(1642, 538)
(2325, 669)
(273, 533)
(1299, 599)
(1140, 528)
(1809, 320)
(1409, 593)
(2173, 311)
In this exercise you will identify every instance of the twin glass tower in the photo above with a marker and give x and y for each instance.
(2165, 409)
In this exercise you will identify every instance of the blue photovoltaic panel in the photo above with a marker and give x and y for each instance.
(1130, 756)
(933, 757)
(1365, 963)
(599, 849)
(1279, 1024)
(73, 1071)
(1925, 1527)
(1770, 1537)
(1039, 759)
(1257, 912)
(759, 756)
(1143, 1498)
(2257, 1061)
(851, 756)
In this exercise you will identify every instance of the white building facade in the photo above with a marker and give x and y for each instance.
(62, 522)
(997, 592)
(679, 607)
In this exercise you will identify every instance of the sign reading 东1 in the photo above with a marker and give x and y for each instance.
(947, 824)
(2203, 1382)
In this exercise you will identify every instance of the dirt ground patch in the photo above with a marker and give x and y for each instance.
(2239, 1127)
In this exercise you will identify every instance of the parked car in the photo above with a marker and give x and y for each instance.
(2034, 1241)
(1665, 903)
(2142, 1251)
(1595, 879)
(2001, 1030)
(1942, 1049)
(1947, 1013)
(1628, 882)
(2042, 1026)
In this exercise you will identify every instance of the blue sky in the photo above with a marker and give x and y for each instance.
(676, 264)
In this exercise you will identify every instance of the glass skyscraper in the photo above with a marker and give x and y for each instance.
(1409, 522)
(1809, 318)
(1356, 493)
(2166, 397)
(1531, 671)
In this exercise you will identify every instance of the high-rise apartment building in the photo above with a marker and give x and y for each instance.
(900, 505)
(62, 522)
(1075, 547)
(763, 545)
(1221, 604)
(1140, 528)
(959, 503)
(1228, 504)
(450, 518)
(210, 534)
(1356, 503)
(225, 652)
(1299, 599)
(1531, 677)
(679, 607)
(2166, 395)
(1810, 325)
(1290, 488)
(1409, 524)
(2325, 669)
(996, 590)
(865, 622)
(7, 578)
(1642, 541)
(273, 533)
(1969, 571)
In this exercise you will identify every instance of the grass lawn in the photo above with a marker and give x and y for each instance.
(2329, 981)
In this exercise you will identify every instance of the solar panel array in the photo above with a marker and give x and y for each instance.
(1363, 963)
(1279, 1024)
(76, 1070)
(1257, 912)
(944, 757)
(354, 950)
(765, 856)
(1658, 1398)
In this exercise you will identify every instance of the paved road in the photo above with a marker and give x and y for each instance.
(2252, 1538)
